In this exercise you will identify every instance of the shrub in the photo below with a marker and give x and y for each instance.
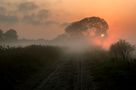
(121, 50)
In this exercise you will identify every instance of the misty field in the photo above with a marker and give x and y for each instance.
(51, 68)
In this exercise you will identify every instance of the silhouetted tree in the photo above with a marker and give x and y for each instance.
(96, 25)
(1, 35)
(11, 34)
(122, 50)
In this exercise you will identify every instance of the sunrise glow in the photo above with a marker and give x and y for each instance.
(55, 15)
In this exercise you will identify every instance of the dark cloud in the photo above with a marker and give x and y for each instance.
(26, 12)
(30, 19)
(27, 6)
(43, 14)
(8, 19)
(36, 18)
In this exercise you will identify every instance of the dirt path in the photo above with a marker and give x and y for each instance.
(71, 74)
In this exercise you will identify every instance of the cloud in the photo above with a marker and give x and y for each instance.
(10, 19)
(30, 13)
(40, 17)
(26, 12)
(7, 18)
(43, 14)
(27, 6)
(30, 19)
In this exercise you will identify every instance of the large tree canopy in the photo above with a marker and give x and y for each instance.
(91, 24)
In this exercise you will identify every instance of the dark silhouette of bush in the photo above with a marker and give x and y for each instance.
(10, 35)
(1, 35)
(121, 50)
(108, 75)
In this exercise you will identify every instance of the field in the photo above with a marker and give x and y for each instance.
(51, 68)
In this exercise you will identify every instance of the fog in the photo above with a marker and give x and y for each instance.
(86, 33)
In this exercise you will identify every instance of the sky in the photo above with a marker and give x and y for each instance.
(36, 19)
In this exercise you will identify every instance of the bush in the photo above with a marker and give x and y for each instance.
(121, 50)
(108, 75)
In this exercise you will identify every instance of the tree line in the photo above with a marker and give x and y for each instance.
(9, 35)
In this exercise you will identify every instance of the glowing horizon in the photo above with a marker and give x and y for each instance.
(119, 14)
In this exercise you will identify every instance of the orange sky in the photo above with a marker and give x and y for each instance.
(120, 14)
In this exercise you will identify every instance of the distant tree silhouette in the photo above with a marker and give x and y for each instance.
(11, 34)
(1, 34)
(96, 25)
(122, 50)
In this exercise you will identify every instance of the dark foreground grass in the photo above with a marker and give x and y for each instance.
(19, 64)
